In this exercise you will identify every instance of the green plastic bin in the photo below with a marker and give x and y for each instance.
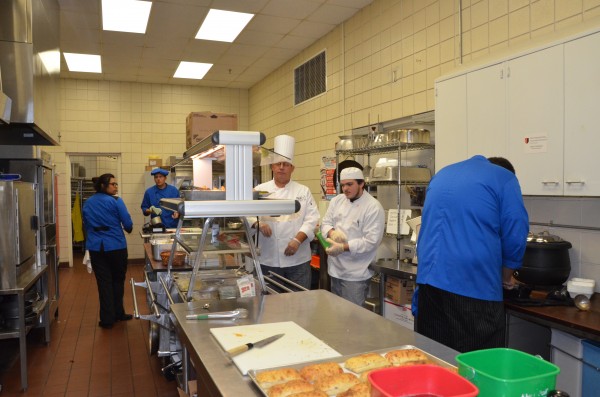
(507, 372)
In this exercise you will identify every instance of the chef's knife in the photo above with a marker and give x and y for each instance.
(242, 348)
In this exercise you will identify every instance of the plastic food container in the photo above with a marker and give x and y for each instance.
(581, 286)
(425, 380)
(507, 372)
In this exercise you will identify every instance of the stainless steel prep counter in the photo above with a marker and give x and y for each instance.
(395, 268)
(345, 327)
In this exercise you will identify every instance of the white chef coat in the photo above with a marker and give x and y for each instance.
(363, 223)
(285, 227)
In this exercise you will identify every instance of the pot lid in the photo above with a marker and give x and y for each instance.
(543, 237)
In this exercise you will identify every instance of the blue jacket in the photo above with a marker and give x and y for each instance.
(474, 223)
(152, 197)
(104, 218)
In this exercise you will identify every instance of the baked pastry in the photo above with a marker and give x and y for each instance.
(366, 362)
(361, 389)
(312, 393)
(290, 388)
(273, 377)
(336, 384)
(312, 372)
(402, 357)
(364, 377)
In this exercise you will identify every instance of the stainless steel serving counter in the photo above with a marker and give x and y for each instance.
(345, 327)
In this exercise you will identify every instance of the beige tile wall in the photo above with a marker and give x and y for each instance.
(382, 64)
(132, 121)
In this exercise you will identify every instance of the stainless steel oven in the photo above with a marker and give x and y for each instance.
(40, 172)
(18, 229)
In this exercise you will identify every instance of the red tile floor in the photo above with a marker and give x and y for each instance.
(83, 359)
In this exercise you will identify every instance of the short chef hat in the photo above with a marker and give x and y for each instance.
(351, 173)
(159, 171)
(284, 145)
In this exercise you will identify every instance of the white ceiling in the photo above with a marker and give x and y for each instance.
(279, 31)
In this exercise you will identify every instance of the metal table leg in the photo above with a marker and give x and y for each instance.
(22, 340)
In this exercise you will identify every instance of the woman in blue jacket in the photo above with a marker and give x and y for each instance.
(105, 217)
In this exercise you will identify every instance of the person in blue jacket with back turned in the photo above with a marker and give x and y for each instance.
(161, 189)
(473, 236)
(105, 217)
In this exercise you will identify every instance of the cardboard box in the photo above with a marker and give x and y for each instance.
(151, 167)
(400, 314)
(199, 125)
(399, 291)
(172, 160)
(154, 162)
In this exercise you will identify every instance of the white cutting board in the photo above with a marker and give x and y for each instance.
(296, 346)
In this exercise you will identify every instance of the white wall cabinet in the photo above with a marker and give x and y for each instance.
(536, 119)
(540, 110)
(486, 111)
(582, 117)
(450, 114)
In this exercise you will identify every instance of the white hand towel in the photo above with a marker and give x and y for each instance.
(87, 261)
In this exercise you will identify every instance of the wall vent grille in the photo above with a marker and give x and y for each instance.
(310, 79)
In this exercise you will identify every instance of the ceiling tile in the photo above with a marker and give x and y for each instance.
(280, 25)
(279, 31)
(296, 9)
(332, 14)
(312, 30)
(266, 39)
(248, 6)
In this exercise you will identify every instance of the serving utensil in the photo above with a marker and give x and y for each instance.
(230, 314)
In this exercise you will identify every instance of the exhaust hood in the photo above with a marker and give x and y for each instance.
(5, 105)
(30, 65)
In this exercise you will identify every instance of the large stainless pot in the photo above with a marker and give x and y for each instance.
(546, 261)
(345, 143)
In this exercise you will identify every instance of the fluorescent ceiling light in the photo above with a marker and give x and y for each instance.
(83, 63)
(192, 70)
(125, 15)
(222, 25)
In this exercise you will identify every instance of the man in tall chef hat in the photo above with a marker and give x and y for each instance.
(284, 241)
(161, 189)
(353, 224)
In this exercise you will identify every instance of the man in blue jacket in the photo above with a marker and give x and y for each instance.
(473, 236)
(152, 196)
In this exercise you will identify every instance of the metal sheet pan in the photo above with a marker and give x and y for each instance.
(341, 359)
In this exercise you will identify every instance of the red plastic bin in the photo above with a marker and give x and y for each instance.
(420, 380)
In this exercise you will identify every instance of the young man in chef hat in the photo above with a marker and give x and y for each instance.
(161, 189)
(284, 240)
(353, 224)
